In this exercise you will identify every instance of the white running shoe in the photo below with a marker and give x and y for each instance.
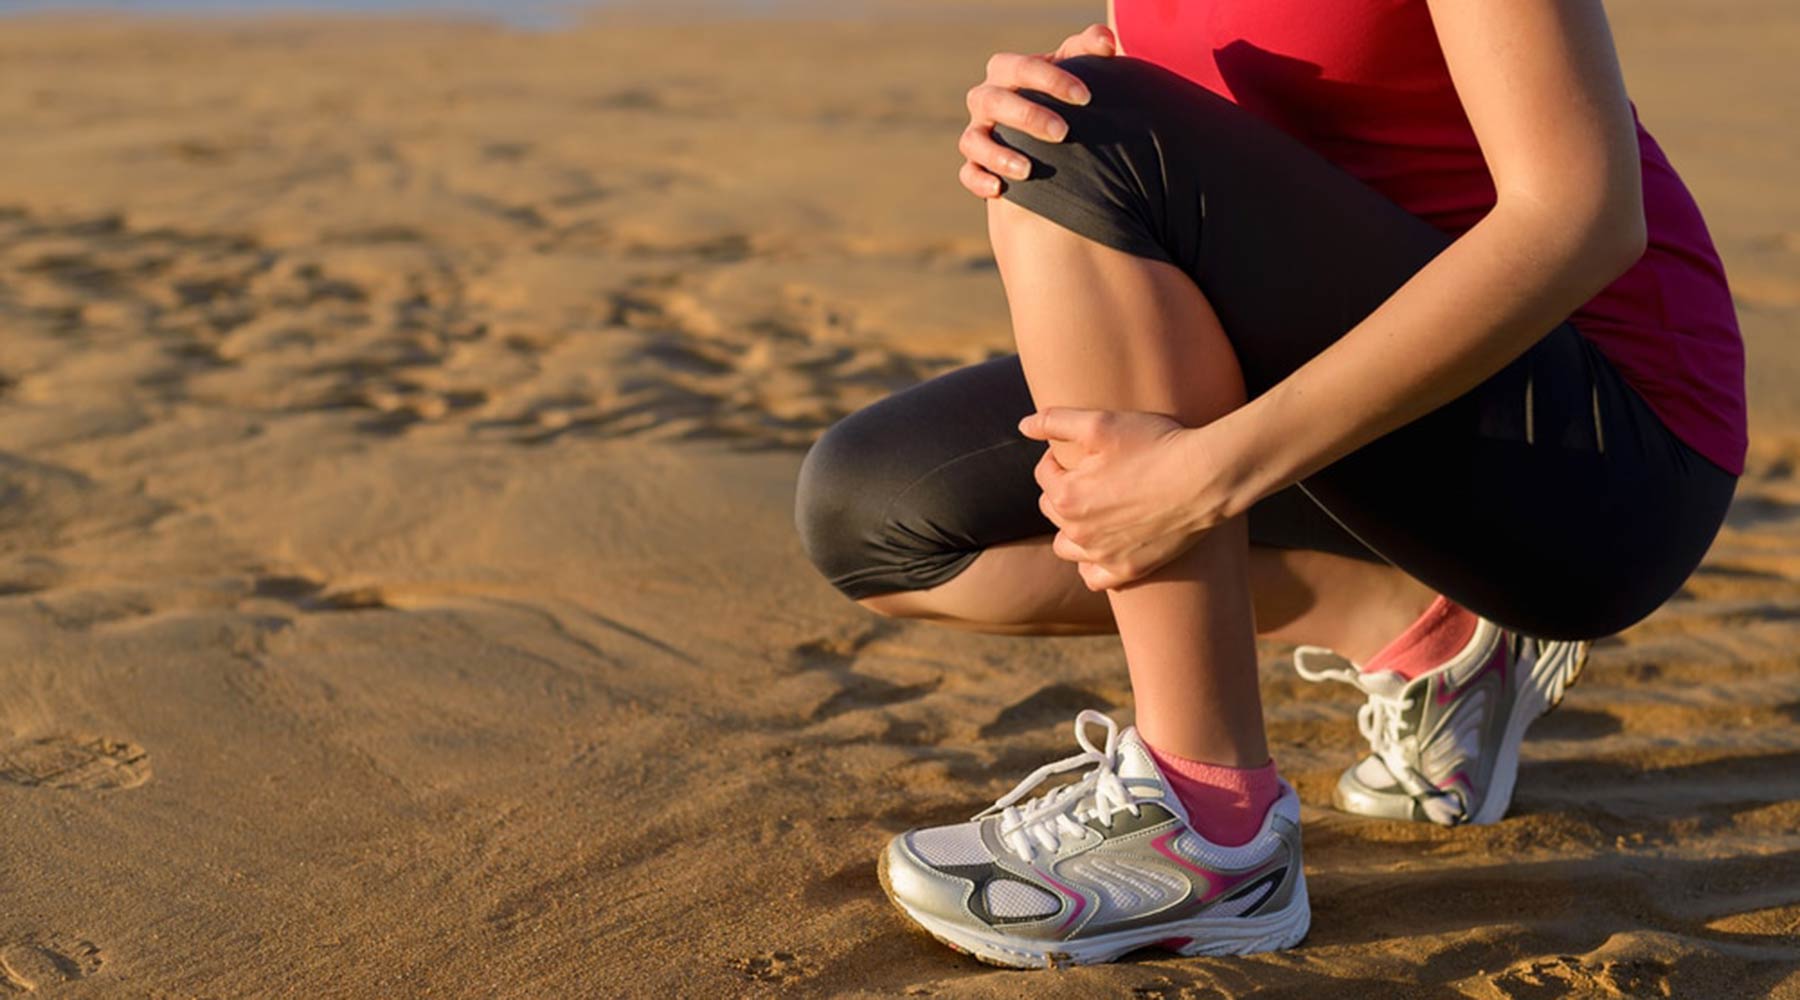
(1446, 744)
(1099, 867)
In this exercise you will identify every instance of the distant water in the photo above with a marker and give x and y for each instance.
(520, 13)
(535, 14)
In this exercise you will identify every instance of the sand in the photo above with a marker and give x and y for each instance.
(398, 587)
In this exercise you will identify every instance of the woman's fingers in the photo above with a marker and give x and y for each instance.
(991, 104)
(981, 149)
(1094, 40)
(1069, 423)
(1097, 578)
(978, 180)
(996, 101)
(1012, 71)
(1066, 549)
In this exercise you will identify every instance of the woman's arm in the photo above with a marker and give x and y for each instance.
(1541, 85)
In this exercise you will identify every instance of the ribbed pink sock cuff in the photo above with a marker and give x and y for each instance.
(1226, 805)
(1439, 634)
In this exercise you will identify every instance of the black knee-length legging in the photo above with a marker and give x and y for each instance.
(1549, 498)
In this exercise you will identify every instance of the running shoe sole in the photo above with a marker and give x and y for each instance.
(1282, 929)
(1551, 678)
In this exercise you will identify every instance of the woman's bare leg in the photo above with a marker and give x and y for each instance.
(1022, 588)
(1097, 327)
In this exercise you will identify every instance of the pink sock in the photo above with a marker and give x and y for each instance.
(1439, 634)
(1226, 805)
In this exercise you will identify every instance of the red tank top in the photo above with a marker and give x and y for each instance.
(1363, 82)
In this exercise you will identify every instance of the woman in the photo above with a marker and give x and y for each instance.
(1377, 326)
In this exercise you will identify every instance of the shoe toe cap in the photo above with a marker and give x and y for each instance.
(1369, 789)
(920, 888)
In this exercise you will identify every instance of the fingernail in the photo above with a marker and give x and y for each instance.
(1058, 131)
(1018, 167)
(1080, 95)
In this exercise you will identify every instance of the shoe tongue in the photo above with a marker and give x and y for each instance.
(1386, 683)
(1138, 770)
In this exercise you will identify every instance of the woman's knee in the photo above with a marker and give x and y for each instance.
(835, 506)
(1109, 177)
(906, 492)
(1102, 133)
(1128, 97)
(863, 521)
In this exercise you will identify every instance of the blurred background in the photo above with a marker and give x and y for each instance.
(400, 405)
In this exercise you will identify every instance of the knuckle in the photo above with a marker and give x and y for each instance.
(992, 103)
(966, 143)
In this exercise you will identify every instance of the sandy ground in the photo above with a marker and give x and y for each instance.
(398, 589)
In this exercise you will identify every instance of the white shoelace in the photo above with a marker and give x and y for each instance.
(1045, 821)
(1381, 721)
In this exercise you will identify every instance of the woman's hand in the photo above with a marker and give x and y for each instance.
(996, 100)
(1135, 499)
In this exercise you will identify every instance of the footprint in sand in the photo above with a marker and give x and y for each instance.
(45, 960)
(1569, 975)
(69, 762)
(773, 967)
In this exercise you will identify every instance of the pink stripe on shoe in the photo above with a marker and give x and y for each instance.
(1074, 897)
(1217, 883)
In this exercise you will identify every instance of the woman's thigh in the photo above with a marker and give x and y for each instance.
(1548, 498)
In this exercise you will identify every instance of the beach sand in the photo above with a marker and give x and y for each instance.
(399, 594)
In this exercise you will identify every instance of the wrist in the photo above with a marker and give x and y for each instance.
(1244, 464)
(1220, 480)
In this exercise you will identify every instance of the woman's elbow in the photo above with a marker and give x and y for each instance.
(1605, 244)
(1621, 239)
(1597, 229)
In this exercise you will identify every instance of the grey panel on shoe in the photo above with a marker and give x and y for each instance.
(1124, 823)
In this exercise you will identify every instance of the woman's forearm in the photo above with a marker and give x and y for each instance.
(1479, 304)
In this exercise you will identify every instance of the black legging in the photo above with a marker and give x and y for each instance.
(1549, 498)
